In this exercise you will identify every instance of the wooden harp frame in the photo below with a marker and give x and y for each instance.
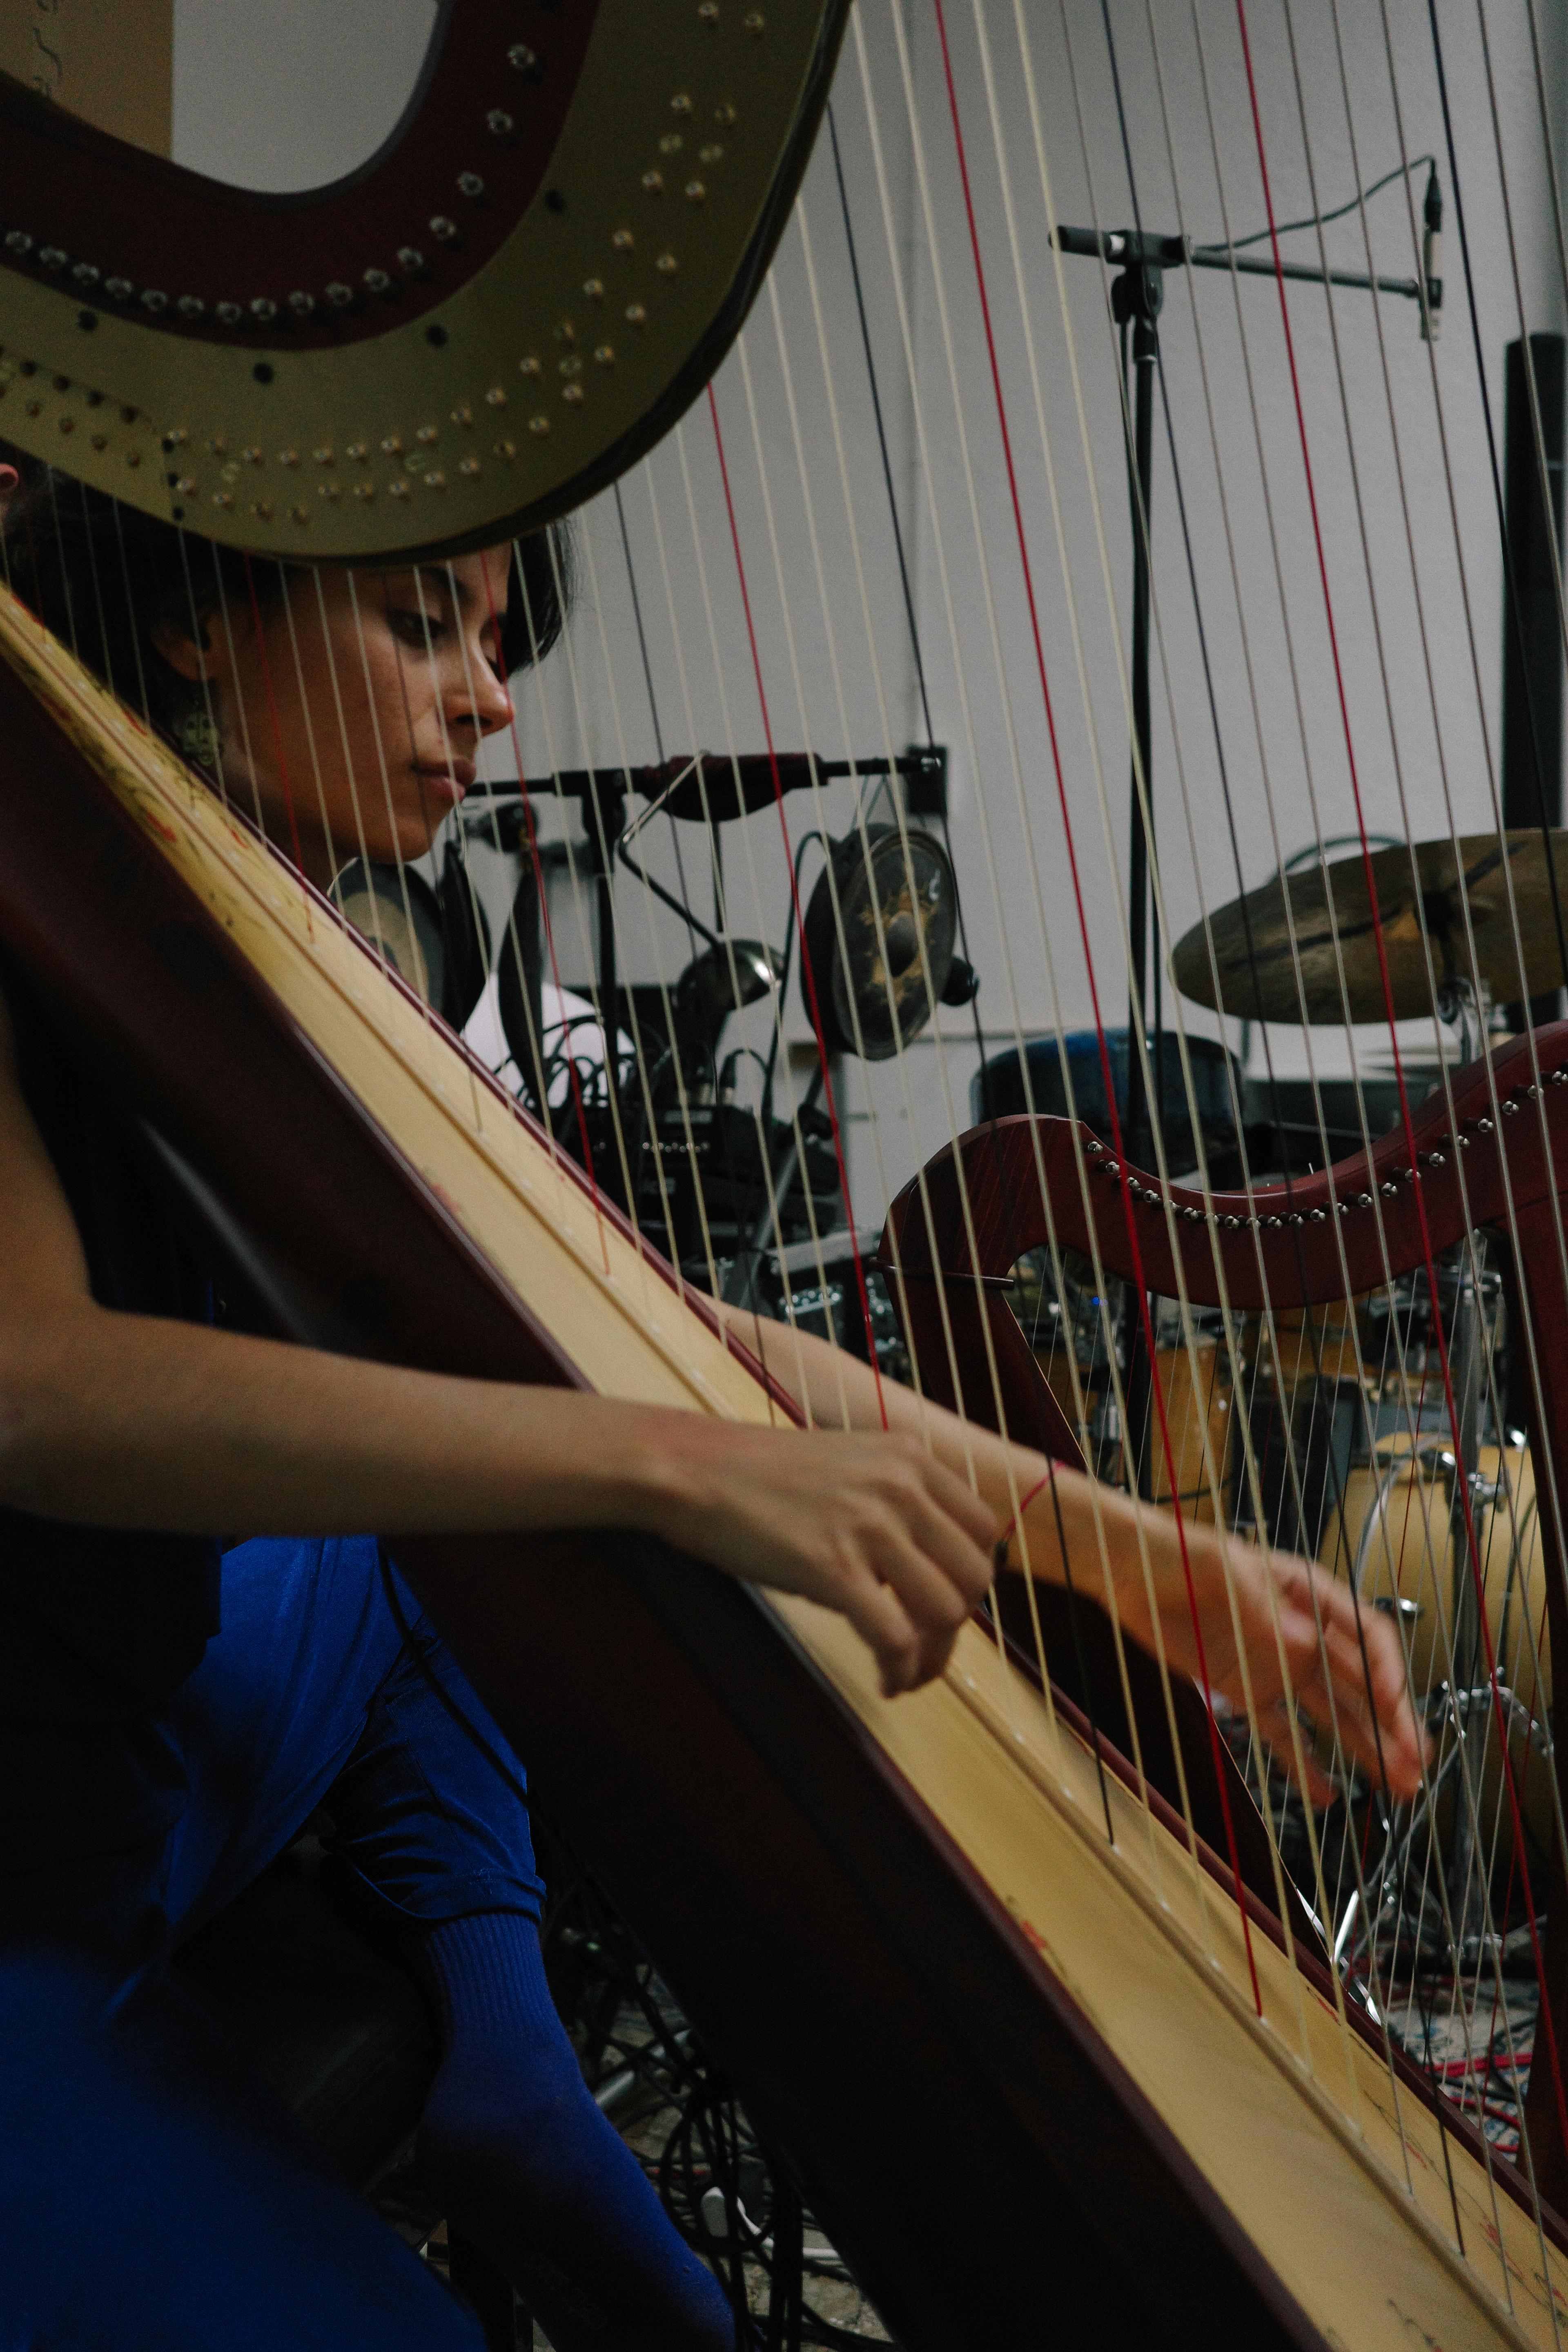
(866, 1973)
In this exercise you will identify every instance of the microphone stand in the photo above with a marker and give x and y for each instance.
(1141, 258)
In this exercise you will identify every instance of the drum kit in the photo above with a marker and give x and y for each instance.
(1329, 1429)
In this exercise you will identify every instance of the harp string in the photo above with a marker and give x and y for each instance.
(1462, 1467)
(1266, 772)
(1315, 194)
(1228, 1324)
(931, 474)
(1296, 1450)
(1134, 1245)
(683, 1095)
(1361, 1892)
(1487, 1866)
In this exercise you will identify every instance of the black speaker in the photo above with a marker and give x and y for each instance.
(1532, 618)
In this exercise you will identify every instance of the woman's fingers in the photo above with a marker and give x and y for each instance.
(1343, 1664)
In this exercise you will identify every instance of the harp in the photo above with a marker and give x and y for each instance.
(1184, 2092)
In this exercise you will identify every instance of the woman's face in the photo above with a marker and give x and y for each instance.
(352, 713)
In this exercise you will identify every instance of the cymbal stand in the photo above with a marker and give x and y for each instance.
(1470, 1694)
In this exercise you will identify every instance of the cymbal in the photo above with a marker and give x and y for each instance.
(1518, 950)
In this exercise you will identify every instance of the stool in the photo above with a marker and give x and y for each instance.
(342, 2032)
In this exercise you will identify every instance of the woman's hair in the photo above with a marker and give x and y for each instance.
(105, 577)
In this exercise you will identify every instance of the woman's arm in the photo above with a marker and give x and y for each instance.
(135, 1422)
(1251, 1624)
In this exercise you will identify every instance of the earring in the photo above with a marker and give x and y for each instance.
(198, 739)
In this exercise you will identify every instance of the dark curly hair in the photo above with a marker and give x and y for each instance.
(104, 577)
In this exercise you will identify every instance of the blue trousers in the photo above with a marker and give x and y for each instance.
(157, 2196)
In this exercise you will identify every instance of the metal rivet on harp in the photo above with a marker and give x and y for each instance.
(1484, 1127)
(529, 366)
(462, 413)
(378, 281)
(696, 193)
(338, 295)
(288, 456)
(523, 60)
(499, 123)
(754, 20)
(84, 275)
(594, 287)
(635, 315)
(52, 257)
(469, 184)
(398, 489)
(191, 306)
(708, 13)
(654, 183)
(263, 308)
(19, 241)
(539, 425)
(666, 264)
(469, 466)
(574, 393)
(229, 314)
(411, 259)
(426, 433)
(152, 300)
(446, 230)
(623, 240)
(495, 397)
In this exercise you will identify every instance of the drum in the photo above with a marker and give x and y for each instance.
(1396, 1540)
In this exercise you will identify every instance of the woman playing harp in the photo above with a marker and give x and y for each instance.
(344, 714)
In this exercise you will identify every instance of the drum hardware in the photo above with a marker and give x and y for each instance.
(1306, 946)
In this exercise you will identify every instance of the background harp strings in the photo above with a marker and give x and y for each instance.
(833, 555)
(1057, 669)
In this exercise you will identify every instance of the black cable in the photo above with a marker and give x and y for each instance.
(508, 1773)
(1321, 220)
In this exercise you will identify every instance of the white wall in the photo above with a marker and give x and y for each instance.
(323, 83)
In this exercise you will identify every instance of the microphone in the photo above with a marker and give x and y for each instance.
(1432, 260)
